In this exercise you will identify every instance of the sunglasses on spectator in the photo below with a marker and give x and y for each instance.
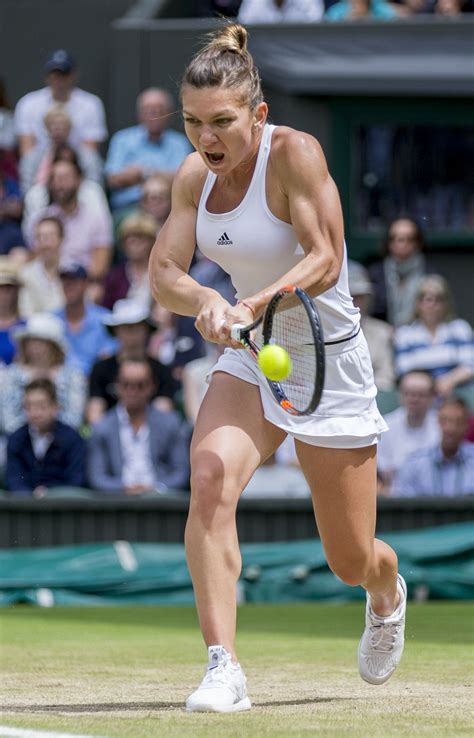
(432, 298)
(139, 385)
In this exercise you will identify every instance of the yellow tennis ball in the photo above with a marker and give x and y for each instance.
(274, 362)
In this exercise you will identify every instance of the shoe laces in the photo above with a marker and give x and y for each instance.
(383, 636)
(216, 677)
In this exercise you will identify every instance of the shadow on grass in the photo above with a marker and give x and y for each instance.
(151, 706)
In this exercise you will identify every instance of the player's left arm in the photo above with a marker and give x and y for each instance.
(314, 212)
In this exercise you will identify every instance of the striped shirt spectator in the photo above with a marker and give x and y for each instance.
(451, 346)
(436, 341)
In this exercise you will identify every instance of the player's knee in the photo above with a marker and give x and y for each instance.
(353, 570)
(208, 499)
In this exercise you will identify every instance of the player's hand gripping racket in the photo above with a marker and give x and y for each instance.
(291, 321)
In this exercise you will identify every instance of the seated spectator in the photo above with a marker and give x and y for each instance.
(436, 341)
(130, 278)
(194, 380)
(377, 332)
(87, 230)
(155, 202)
(9, 315)
(38, 197)
(130, 324)
(280, 11)
(7, 129)
(41, 353)
(357, 9)
(176, 340)
(149, 148)
(411, 427)
(397, 275)
(211, 275)
(86, 335)
(449, 8)
(44, 452)
(12, 242)
(279, 476)
(226, 8)
(446, 469)
(41, 289)
(136, 448)
(35, 165)
(85, 110)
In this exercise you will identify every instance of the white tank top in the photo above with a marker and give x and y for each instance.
(255, 248)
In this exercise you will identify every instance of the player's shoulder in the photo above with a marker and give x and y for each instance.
(288, 142)
(190, 177)
(295, 150)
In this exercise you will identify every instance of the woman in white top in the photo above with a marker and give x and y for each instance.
(259, 200)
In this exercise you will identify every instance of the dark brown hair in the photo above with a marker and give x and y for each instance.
(419, 235)
(43, 384)
(226, 62)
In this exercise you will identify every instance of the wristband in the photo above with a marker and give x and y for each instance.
(247, 305)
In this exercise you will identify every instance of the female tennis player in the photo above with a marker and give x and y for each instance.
(258, 199)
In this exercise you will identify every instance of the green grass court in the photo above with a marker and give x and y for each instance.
(125, 672)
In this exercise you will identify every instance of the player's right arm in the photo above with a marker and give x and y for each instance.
(172, 253)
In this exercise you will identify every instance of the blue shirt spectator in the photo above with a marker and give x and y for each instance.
(84, 330)
(9, 318)
(355, 9)
(138, 152)
(91, 341)
(446, 469)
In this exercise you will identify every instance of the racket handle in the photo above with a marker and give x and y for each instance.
(235, 331)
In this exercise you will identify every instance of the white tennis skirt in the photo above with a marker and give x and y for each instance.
(347, 415)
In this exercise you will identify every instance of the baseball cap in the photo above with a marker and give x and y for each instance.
(60, 61)
(74, 271)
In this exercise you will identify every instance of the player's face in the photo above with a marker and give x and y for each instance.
(225, 132)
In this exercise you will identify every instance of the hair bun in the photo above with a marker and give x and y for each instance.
(232, 37)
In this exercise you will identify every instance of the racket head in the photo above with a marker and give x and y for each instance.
(292, 321)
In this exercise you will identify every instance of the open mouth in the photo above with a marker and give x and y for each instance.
(214, 158)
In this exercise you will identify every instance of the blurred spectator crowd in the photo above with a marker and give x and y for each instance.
(303, 11)
(100, 386)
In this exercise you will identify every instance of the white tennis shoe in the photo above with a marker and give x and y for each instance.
(381, 645)
(223, 688)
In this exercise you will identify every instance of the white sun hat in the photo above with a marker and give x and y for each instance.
(45, 326)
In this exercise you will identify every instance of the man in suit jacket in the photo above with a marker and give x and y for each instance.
(136, 448)
(44, 452)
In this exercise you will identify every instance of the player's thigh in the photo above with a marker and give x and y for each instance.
(343, 487)
(231, 437)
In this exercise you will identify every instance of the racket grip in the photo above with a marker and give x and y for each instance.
(235, 331)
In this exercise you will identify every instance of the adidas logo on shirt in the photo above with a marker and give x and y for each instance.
(224, 240)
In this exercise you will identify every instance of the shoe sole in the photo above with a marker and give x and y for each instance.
(244, 704)
(374, 681)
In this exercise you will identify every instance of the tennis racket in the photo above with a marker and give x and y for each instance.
(291, 321)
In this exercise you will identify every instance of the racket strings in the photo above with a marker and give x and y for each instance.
(291, 330)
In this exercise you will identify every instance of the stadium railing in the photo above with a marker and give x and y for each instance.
(81, 517)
